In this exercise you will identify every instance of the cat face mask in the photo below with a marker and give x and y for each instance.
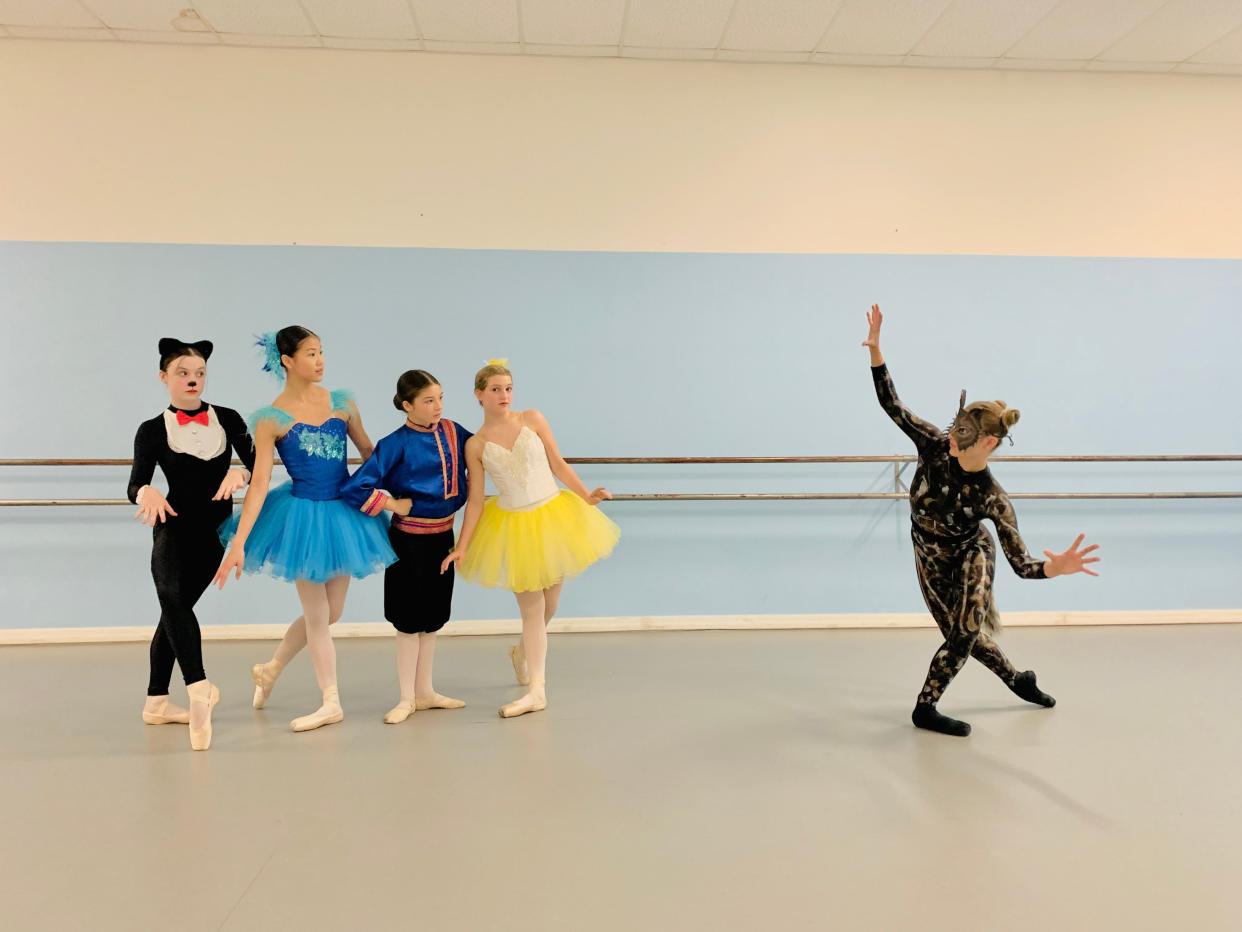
(965, 427)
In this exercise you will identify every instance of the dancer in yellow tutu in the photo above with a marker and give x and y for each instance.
(533, 535)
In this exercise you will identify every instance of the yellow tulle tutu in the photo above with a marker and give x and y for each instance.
(524, 551)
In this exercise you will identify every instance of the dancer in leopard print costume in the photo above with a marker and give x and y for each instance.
(952, 492)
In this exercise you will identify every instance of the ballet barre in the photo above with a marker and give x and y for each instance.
(898, 462)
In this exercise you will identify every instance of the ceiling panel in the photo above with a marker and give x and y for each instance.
(376, 19)
(881, 27)
(779, 25)
(1177, 31)
(679, 24)
(476, 21)
(248, 17)
(981, 28)
(572, 22)
(46, 13)
(1083, 29)
(1227, 50)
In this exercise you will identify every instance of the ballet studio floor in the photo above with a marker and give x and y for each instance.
(713, 781)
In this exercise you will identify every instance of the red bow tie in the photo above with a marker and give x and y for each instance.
(200, 418)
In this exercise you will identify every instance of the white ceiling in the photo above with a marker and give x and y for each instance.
(1197, 36)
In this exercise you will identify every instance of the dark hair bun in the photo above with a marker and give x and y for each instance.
(412, 382)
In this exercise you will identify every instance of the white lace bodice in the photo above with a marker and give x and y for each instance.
(522, 475)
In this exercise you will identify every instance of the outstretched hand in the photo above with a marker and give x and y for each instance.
(598, 495)
(1072, 560)
(235, 559)
(875, 320)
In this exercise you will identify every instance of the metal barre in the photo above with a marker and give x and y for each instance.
(899, 462)
(723, 497)
(745, 460)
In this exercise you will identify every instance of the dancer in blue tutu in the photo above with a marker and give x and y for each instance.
(301, 531)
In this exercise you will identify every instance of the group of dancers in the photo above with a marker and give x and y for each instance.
(324, 527)
(396, 513)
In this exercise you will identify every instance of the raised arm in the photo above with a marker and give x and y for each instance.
(920, 431)
(561, 469)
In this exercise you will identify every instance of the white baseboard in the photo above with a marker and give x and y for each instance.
(512, 626)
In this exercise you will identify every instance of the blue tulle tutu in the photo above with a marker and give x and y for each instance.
(317, 540)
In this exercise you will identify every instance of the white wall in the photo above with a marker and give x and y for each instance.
(119, 142)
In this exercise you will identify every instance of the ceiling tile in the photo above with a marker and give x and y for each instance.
(47, 13)
(246, 17)
(1178, 30)
(572, 22)
(779, 25)
(374, 19)
(881, 27)
(678, 24)
(1227, 50)
(981, 28)
(476, 21)
(1082, 30)
(151, 15)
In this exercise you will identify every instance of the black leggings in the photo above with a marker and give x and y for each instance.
(184, 558)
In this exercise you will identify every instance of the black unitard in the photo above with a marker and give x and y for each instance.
(186, 551)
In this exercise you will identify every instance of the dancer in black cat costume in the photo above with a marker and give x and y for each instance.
(193, 444)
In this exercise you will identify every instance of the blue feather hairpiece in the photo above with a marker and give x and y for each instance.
(271, 355)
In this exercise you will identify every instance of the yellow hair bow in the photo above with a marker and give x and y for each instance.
(502, 363)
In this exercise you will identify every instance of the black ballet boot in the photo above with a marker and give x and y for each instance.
(926, 716)
(1024, 687)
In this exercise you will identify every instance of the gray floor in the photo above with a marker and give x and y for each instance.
(714, 781)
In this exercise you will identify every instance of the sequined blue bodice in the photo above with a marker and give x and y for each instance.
(314, 456)
(315, 459)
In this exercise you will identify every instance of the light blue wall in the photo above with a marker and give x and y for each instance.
(654, 354)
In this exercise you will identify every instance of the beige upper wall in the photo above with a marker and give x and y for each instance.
(119, 142)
